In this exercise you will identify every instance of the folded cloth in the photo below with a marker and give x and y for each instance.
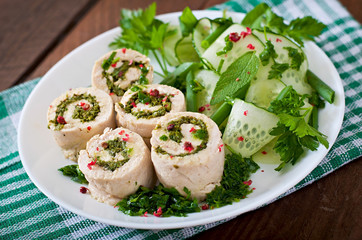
(25, 213)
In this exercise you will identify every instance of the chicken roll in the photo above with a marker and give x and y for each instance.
(187, 151)
(142, 106)
(77, 115)
(116, 71)
(116, 164)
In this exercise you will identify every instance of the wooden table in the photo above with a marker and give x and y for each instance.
(36, 34)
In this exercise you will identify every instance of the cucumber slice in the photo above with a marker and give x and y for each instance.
(208, 80)
(169, 46)
(184, 50)
(267, 154)
(239, 48)
(262, 90)
(248, 128)
(203, 28)
(293, 77)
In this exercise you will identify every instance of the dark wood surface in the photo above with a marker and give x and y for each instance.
(36, 34)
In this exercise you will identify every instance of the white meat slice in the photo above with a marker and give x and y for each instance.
(75, 134)
(144, 126)
(131, 76)
(200, 172)
(112, 186)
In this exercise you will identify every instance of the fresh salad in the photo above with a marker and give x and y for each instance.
(250, 77)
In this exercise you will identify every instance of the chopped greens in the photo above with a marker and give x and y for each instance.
(277, 70)
(160, 201)
(237, 171)
(267, 53)
(296, 56)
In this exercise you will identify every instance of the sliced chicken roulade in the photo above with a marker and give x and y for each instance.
(187, 151)
(142, 106)
(77, 115)
(116, 164)
(118, 70)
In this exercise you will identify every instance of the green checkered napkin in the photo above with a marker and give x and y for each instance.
(26, 213)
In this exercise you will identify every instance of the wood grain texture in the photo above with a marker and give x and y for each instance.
(354, 7)
(28, 30)
(97, 22)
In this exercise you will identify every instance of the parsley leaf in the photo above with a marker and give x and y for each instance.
(143, 33)
(306, 28)
(287, 101)
(267, 53)
(296, 56)
(143, 98)
(299, 126)
(277, 70)
(74, 172)
(293, 130)
(287, 146)
(187, 22)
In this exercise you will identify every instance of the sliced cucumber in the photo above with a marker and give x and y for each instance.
(292, 77)
(184, 50)
(208, 80)
(262, 90)
(169, 46)
(203, 28)
(248, 128)
(239, 48)
(267, 154)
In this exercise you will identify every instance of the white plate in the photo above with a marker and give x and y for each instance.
(41, 156)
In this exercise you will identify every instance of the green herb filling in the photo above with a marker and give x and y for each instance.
(174, 134)
(119, 73)
(85, 115)
(162, 100)
(113, 147)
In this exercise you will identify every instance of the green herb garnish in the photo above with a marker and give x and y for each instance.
(293, 131)
(163, 138)
(306, 28)
(267, 53)
(277, 69)
(296, 56)
(228, 46)
(200, 134)
(74, 172)
(236, 77)
(237, 171)
(142, 32)
(168, 200)
(187, 22)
